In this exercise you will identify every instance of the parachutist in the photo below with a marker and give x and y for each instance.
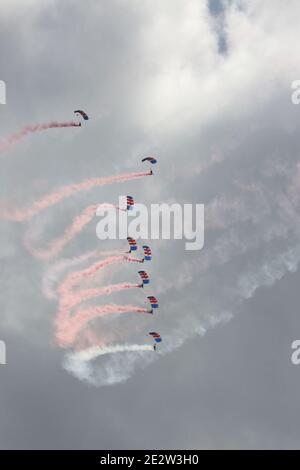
(144, 277)
(157, 338)
(151, 160)
(132, 244)
(147, 253)
(82, 114)
(153, 302)
(130, 202)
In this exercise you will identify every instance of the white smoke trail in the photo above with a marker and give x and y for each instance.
(93, 353)
(119, 367)
(269, 273)
(79, 363)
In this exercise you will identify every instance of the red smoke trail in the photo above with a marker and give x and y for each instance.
(67, 328)
(75, 278)
(55, 272)
(9, 141)
(65, 192)
(71, 300)
(75, 228)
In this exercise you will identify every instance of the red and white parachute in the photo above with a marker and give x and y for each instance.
(144, 277)
(129, 202)
(132, 244)
(147, 253)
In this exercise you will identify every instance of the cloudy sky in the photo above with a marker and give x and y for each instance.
(206, 86)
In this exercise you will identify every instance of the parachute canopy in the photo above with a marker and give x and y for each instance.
(156, 336)
(82, 114)
(130, 202)
(144, 277)
(153, 301)
(151, 160)
(147, 253)
(132, 244)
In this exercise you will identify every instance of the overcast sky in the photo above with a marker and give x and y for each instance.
(205, 86)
